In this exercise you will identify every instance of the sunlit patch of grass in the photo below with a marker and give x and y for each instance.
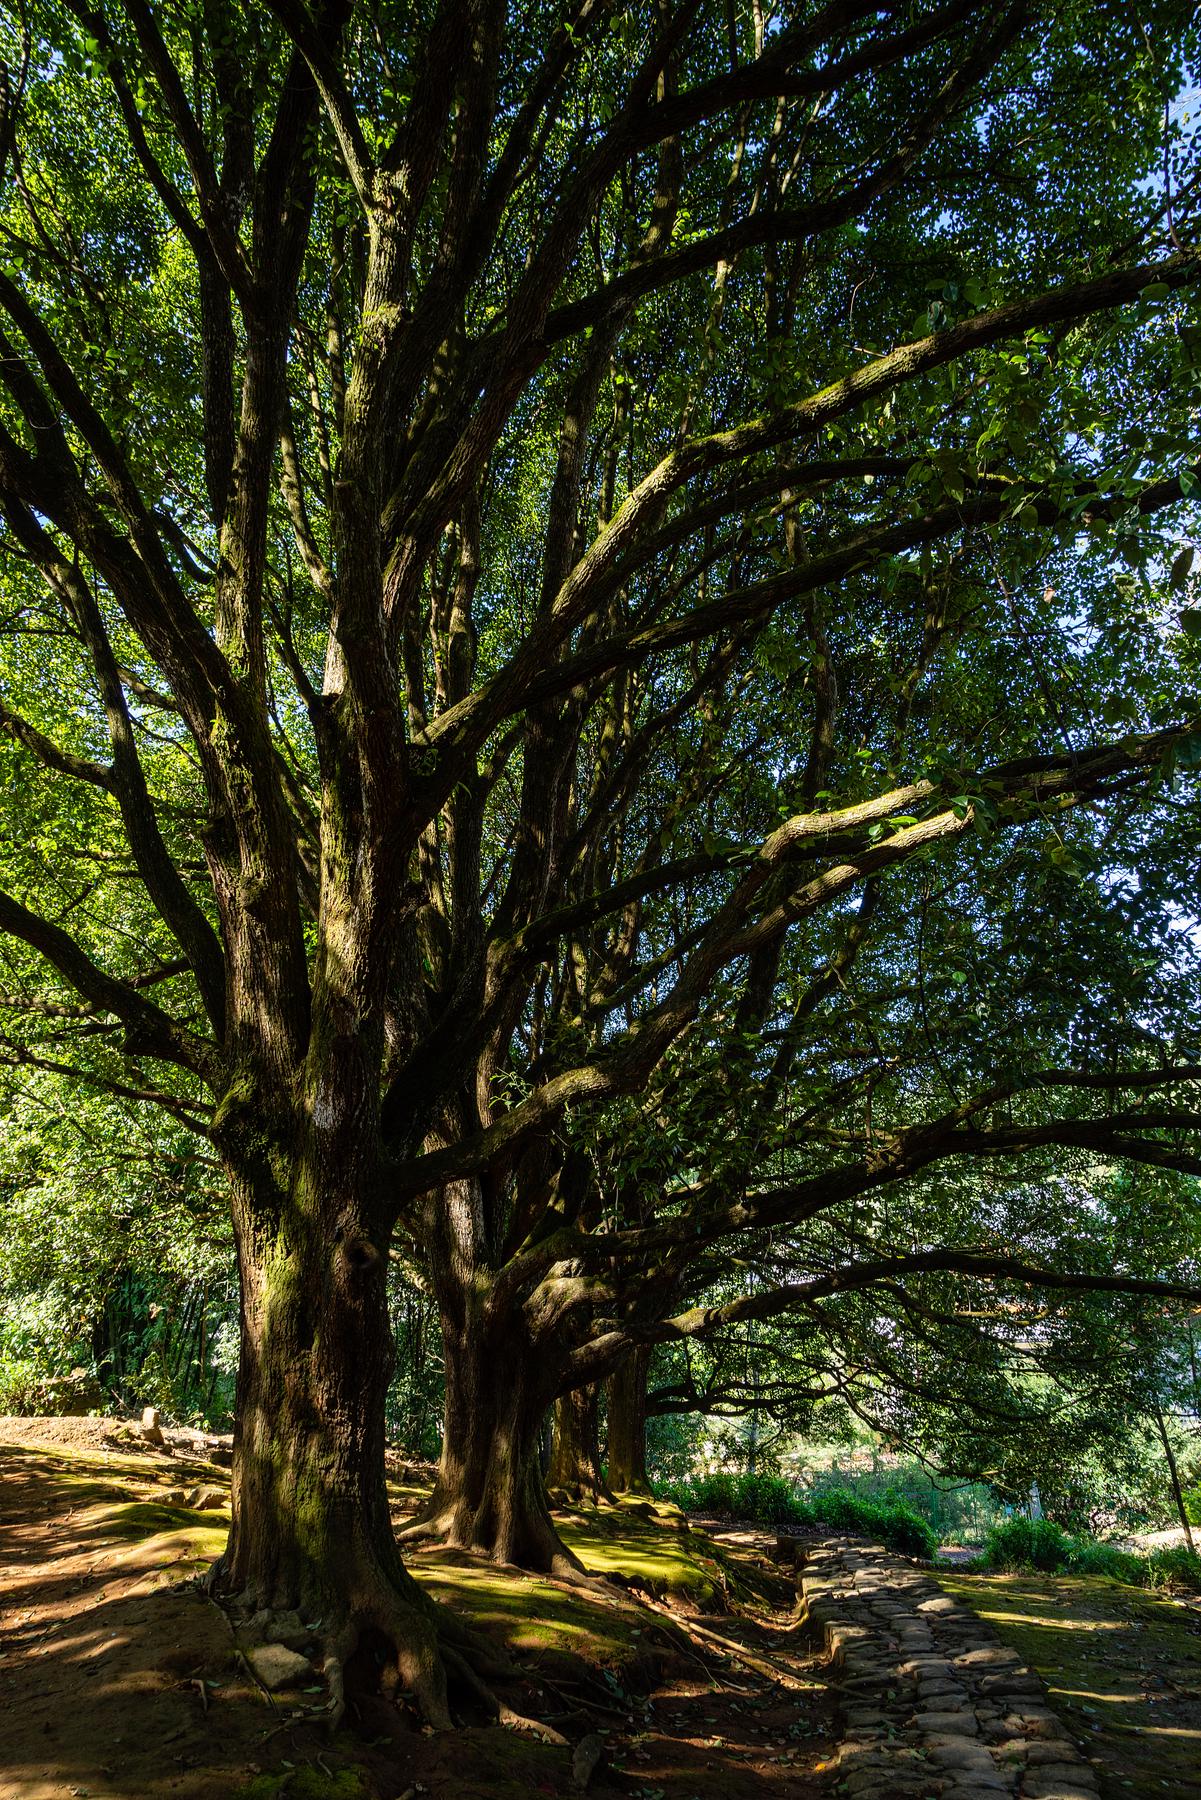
(1122, 1668)
(534, 1615)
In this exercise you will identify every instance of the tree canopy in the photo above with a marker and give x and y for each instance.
(600, 687)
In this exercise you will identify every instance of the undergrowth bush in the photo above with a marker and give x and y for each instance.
(770, 1500)
(1022, 1543)
(1174, 1567)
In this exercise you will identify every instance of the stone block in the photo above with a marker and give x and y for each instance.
(278, 1667)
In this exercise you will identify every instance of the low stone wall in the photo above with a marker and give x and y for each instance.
(934, 1705)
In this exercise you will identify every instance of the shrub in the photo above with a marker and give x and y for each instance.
(1174, 1568)
(769, 1500)
(1022, 1543)
(1087, 1557)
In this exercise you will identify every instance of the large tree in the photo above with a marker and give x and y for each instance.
(444, 453)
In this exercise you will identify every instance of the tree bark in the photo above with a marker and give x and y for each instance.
(627, 1425)
(501, 1378)
(490, 1495)
(1177, 1492)
(575, 1466)
(311, 1530)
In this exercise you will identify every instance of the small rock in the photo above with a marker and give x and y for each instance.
(278, 1667)
(946, 1724)
(970, 1757)
(208, 1500)
(973, 1788)
(268, 1627)
(151, 1427)
(584, 1759)
(1050, 1750)
(1033, 1722)
(1038, 1789)
(988, 1656)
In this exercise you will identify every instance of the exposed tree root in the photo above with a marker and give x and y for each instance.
(755, 1660)
(384, 1640)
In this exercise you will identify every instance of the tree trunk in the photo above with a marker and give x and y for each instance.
(627, 1425)
(575, 1453)
(311, 1530)
(490, 1495)
(1177, 1492)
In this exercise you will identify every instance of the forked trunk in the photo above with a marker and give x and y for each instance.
(575, 1467)
(627, 1425)
(490, 1494)
(311, 1530)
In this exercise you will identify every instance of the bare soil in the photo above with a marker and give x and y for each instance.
(119, 1677)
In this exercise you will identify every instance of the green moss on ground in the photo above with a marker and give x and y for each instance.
(658, 1556)
(304, 1784)
(530, 1615)
(141, 1518)
(1122, 1668)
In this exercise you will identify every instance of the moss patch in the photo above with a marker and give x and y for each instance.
(533, 1616)
(304, 1784)
(142, 1518)
(663, 1560)
(1122, 1668)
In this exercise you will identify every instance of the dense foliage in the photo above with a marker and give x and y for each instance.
(1023, 1543)
(599, 654)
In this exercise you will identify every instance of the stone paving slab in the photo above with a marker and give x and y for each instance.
(934, 1706)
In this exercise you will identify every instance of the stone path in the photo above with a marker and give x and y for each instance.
(934, 1705)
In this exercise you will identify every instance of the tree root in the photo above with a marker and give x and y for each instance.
(756, 1661)
(427, 1650)
(454, 1526)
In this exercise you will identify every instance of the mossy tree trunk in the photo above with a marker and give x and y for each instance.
(490, 1494)
(504, 1366)
(575, 1464)
(311, 1530)
(627, 1425)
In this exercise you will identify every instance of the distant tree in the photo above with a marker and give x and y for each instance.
(521, 534)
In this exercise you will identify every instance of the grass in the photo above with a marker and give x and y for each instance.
(1122, 1668)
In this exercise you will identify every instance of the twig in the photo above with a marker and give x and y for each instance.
(240, 1654)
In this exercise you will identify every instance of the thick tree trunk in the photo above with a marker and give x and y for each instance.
(627, 1425)
(311, 1530)
(575, 1467)
(490, 1494)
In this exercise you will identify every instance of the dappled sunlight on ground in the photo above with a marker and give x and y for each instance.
(119, 1678)
(1122, 1668)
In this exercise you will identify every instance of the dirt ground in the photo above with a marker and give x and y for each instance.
(120, 1679)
